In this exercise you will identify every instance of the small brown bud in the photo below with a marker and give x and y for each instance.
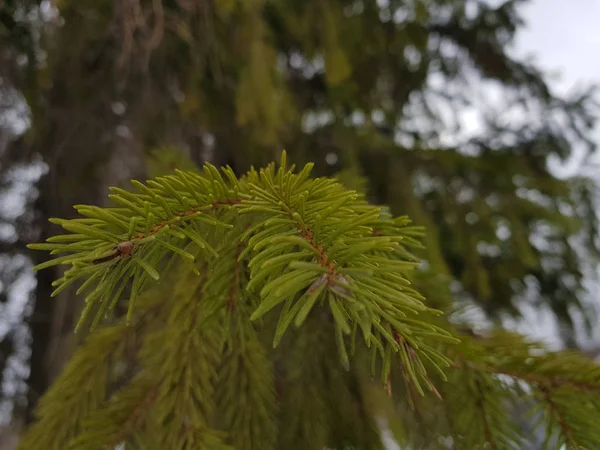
(125, 248)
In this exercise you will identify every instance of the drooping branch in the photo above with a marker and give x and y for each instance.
(551, 382)
(275, 242)
(567, 432)
(480, 400)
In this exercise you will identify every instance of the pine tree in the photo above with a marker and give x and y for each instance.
(216, 305)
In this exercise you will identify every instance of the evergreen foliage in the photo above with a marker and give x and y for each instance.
(100, 84)
(215, 304)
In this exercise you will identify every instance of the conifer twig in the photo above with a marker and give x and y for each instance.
(566, 430)
(551, 382)
(136, 417)
(181, 215)
(484, 418)
(305, 247)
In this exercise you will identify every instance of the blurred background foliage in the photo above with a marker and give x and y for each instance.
(96, 92)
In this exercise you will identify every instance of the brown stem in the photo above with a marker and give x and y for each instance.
(552, 382)
(547, 381)
(187, 213)
(118, 252)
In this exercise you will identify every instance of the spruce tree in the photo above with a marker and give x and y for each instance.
(362, 89)
(276, 310)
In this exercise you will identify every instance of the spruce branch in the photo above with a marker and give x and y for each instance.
(118, 419)
(477, 410)
(305, 383)
(228, 261)
(353, 423)
(551, 381)
(481, 404)
(112, 245)
(246, 395)
(79, 393)
(564, 385)
(80, 389)
(496, 376)
(336, 257)
(308, 241)
(558, 415)
(182, 359)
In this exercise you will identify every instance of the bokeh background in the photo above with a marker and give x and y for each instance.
(476, 118)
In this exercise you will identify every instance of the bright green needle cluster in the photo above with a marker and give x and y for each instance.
(308, 242)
